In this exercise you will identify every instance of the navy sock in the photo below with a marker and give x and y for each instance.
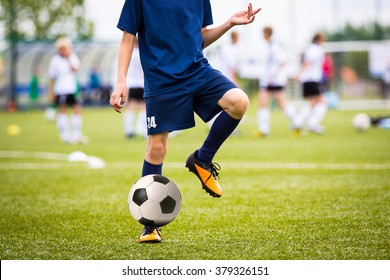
(149, 168)
(221, 129)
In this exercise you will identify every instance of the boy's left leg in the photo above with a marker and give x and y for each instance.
(234, 103)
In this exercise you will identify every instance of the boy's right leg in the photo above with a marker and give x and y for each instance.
(150, 235)
(155, 153)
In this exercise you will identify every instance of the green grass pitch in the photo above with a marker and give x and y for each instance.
(285, 198)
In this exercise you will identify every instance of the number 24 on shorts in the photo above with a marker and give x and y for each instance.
(152, 122)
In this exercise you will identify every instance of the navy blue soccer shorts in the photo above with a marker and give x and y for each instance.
(175, 110)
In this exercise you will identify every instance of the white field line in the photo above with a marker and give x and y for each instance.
(38, 166)
(92, 162)
(225, 165)
(177, 165)
(39, 155)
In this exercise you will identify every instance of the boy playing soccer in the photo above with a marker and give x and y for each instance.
(179, 81)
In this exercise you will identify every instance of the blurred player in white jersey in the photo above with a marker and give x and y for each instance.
(310, 76)
(62, 92)
(134, 118)
(229, 58)
(272, 84)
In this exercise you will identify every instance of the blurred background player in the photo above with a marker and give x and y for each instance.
(34, 89)
(272, 84)
(327, 71)
(63, 87)
(311, 75)
(229, 58)
(94, 86)
(385, 82)
(331, 97)
(134, 118)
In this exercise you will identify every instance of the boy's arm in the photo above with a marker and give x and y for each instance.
(240, 18)
(118, 97)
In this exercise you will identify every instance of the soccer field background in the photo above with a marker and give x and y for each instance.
(285, 198)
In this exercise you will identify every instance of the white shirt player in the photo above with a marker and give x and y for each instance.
(314, 57)
(135, 74)
(274, 74)
(229, 58)
(65, 79)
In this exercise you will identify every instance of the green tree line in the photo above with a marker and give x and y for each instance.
(367, 32)
(45, 19)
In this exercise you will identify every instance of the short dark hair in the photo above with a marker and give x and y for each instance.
(268, 30)
(318, 37)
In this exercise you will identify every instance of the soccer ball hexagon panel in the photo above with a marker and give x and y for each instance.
(154, 200)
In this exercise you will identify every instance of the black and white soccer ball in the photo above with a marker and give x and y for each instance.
(154, 200)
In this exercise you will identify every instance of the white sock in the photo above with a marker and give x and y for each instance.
(140, 125)
(76, 122)
(128, 121)
(289, 111)
(63, 126)
(263, 119)
(301, 118)
(317, 115)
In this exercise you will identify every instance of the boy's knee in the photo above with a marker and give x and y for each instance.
(157, 148)
(241, 105)
(156, 151)
(235, 102)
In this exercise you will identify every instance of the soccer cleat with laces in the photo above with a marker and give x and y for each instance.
(207, 174)
(150, 235)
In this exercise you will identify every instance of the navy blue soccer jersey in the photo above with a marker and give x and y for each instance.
(170, 40)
